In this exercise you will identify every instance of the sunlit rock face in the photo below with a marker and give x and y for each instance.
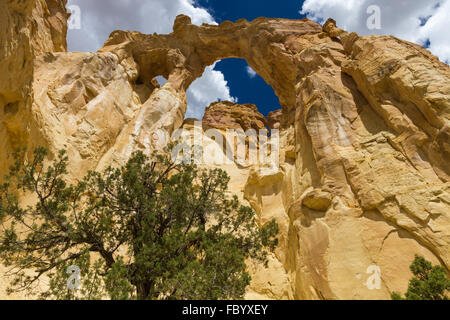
(228, 115)
(363, 176)
(274, 119)
(28, 29)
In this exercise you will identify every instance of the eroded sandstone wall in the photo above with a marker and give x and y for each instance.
(364, 129)
(28, 28)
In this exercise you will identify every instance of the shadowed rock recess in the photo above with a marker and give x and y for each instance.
(364, 174)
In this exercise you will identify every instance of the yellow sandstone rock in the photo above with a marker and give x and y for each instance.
(227, 115)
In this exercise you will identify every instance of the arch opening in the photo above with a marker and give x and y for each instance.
(230, 79)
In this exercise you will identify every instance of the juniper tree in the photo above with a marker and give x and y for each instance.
(429, 282)
(152, 229)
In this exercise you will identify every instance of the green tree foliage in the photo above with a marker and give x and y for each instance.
(429, 282)
(152, 229)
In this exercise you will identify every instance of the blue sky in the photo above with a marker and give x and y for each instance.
(419, 21)
(251, 9)
(244, 87)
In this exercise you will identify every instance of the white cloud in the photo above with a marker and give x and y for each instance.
(436, 30)
(100, 17)
(211, 87)
(251, 73)
(413, 20)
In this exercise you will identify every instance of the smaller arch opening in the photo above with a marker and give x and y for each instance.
(161, 80)
(145, 88)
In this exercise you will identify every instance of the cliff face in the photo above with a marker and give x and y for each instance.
(227, 115)
(364, 174)
(27, 30)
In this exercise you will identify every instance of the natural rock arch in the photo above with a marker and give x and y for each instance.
(266, 44)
